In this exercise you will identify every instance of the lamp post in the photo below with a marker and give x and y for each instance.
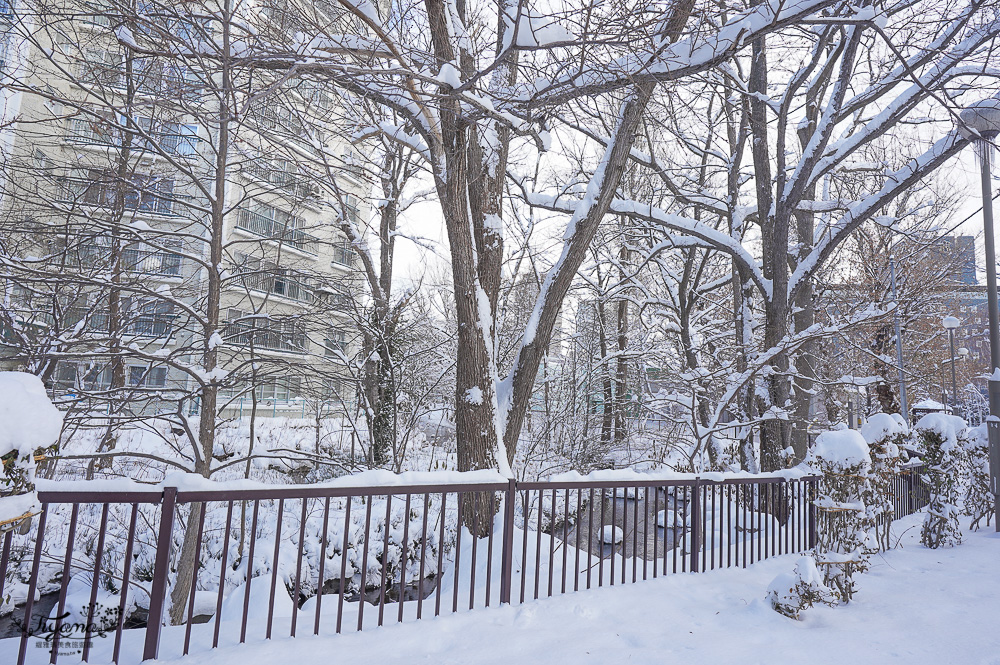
(950, 323)
(981, 124)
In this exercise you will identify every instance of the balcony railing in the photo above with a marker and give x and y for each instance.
(134, 325)
(134, 261)
(265, 335)
(272, 229)
(279, 285)
(102, 194)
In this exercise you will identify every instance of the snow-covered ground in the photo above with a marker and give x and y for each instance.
(914, 606)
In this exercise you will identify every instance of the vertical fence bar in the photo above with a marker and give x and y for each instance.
(645, 530)
(71, 537)
(507, 560)
(158, 591)
(33, 584)
(813, 536)
(711, 488)
(538, 545)
(385, 556)
(590, 536)
(656, 533)
(95, 581)
(459, 496)
(423, 555)
(194, 575)
(222, 575)
(552, 538)
(696, 525)
(526, 512)
(614, 526)
(403, 557)
(683, 528)
(324, 539)
(475, 542)
(635, 537)
(489, 546)
(250, 554)
(297, 588)
(440, 556)
(565, 538)
(600, 542)
(126, 571)
(576, 525)
(342, 587)
(274, 567)
(364, 560)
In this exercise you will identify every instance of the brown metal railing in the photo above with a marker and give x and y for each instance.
(374, 554)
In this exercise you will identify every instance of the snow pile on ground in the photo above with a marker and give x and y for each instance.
(918, 606)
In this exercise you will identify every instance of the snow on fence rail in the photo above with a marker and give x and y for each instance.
(86, 577)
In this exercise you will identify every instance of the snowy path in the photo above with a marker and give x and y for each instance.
(915, 606)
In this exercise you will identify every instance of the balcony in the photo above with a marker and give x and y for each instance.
(141, 193)
(267, 335)
(267, 227)
(134, 261)
(150, 325)
(279, 284)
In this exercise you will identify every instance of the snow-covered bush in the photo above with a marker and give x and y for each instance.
(29, 424)
(790, 593)
(844, 521)
(976, 463)
(886, 435)
(938, 439)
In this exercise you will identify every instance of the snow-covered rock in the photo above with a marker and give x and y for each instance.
(612, 535)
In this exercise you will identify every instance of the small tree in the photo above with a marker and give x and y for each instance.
(938, 437)
(976, 460)
(885, 436)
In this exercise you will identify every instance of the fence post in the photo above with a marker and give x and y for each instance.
(813, 535)
(158, 593)
(695, 523)
(507, 564)
(911, 504)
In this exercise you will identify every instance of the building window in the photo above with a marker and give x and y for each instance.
(147, 377)
(335, 343)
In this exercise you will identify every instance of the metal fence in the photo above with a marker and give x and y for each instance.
(287, 560)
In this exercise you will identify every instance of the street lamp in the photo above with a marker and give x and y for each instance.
(981, 124)
(950, 323)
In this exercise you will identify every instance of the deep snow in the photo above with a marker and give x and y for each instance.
(915, 606)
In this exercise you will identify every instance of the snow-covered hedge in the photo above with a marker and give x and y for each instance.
(939, 438)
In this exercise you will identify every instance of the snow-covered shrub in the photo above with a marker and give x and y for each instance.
(844, 521)
(938, 436)
(976, 460)
(790, 593)
(886, 437)
(29, 424)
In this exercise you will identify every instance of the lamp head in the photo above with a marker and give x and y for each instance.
(982, 117)
(950, 322)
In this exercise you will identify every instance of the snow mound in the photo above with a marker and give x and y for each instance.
(672, 519)
(843, 448)
(612, 535)
(946, 426)
(27, 418)
(881, 426)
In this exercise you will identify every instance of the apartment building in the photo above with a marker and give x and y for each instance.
(168, 203)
